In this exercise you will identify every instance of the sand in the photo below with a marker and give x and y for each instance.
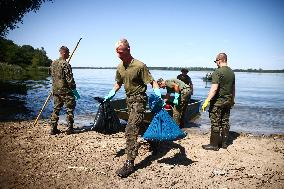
(31, 158)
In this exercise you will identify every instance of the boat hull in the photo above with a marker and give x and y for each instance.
(192, 110)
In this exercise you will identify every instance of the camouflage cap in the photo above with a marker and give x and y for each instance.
(159, 81)
(64, 48)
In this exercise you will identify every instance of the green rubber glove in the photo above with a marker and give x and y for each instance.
(76, 94)
(176, 99)
(110, 95)
(157, 92)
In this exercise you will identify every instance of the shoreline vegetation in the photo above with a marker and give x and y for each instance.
(21, 62)
(193, 69)
(16, 72)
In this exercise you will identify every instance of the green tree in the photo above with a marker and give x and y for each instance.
(36, 60)
(8, 51)
(13, 11)
(24, 56)
(39, 58)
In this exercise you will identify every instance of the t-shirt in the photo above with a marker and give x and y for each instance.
(185, 78)
(170, 85)
(134, 76)
(225, 77)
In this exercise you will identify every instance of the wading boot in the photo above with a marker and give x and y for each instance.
(126, 169)
(54, 130)
(153, 147)
(224, 142)
(214, 141)
(70, 129)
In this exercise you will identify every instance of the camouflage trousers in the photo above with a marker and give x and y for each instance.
(219, 118)
(58, 102)
(179, 110)
(136, 110)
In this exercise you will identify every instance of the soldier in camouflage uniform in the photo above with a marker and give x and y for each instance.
(63, 86)
(221, 98)
(185, 78)
(135, 76)
(182, 93)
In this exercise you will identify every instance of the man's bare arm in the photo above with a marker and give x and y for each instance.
(117, 86)
(212, 91)
(176, 88)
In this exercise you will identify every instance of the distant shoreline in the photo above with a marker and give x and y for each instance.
(193, 69)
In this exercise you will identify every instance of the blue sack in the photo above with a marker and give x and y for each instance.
(162, 126)
(155, 103)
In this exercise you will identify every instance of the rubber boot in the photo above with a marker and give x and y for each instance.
(181, 125)
(153, 147)
(54, 130)
(225, 135)
(214, 141)
(126, 169)
(70, 129)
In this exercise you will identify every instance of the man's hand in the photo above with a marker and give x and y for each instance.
(76, 94)
(157, 92)
(164, 103)
(176, 99)
(205, 104)
(110, 95)
(175, 102)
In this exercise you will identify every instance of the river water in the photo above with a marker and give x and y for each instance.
(259, 107)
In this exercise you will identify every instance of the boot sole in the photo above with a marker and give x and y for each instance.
(124, 176)
(213, 149)
(55, 133)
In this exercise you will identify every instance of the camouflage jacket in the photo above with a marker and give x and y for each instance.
(62, 77)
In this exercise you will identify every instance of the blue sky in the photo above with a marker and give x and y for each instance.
(161, 32)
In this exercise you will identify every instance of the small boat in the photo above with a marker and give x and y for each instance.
(208, 77)
(192, 110)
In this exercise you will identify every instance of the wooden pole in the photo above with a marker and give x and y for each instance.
(45, 103)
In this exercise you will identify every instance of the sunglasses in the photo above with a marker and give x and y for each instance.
(216, 60)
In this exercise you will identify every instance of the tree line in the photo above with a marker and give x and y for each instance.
(25, 56)
(193, 69)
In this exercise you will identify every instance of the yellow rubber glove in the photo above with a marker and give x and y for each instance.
(205, 104)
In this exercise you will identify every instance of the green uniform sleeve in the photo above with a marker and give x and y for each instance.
(69, 76)
(118, 77)
(215, 78)
(146, 75)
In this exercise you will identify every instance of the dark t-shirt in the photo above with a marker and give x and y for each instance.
(225, 78)
(185, 78)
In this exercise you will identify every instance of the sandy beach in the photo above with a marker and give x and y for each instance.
(31, 158)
